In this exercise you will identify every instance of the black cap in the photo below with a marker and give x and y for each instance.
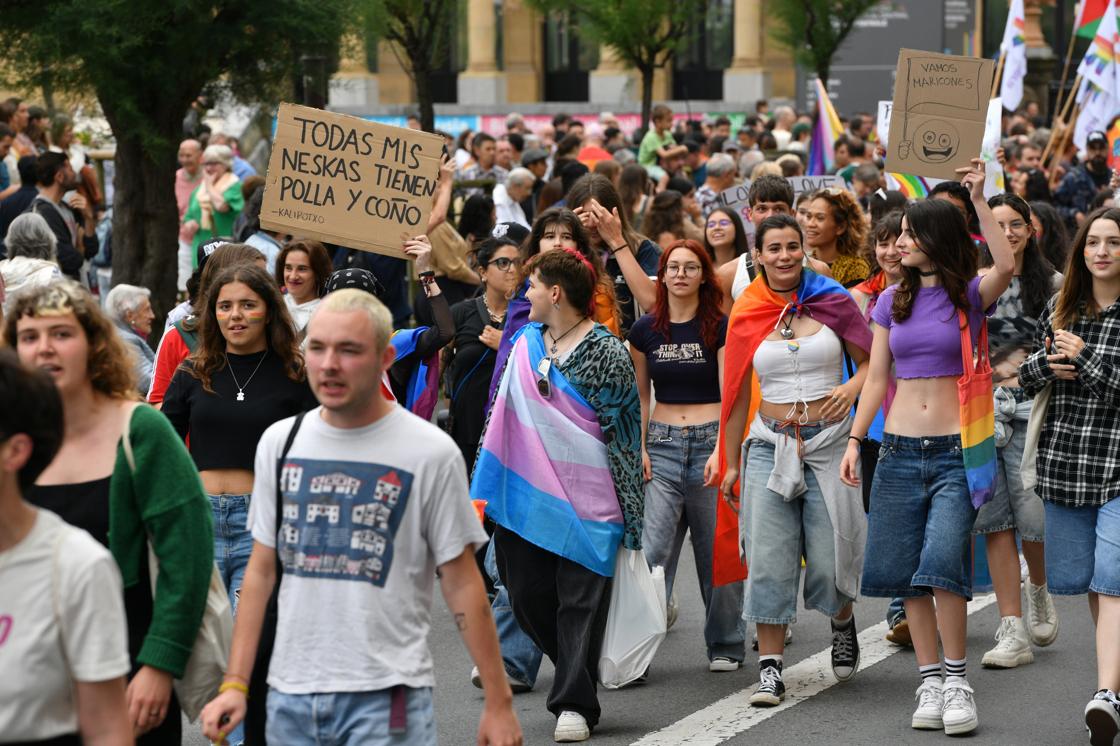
(1097, 138)
(209, 246)
(356, 278)
(513, 231)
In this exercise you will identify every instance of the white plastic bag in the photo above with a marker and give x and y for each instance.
(635, 622)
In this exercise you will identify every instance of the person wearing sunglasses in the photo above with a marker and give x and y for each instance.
(678, 348)
(560, 468)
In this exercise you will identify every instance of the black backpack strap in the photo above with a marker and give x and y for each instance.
(279, 471)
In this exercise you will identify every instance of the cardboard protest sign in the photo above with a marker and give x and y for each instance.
(804, 184)
(344, 180)
(938, 112)
(883, 122)
(736, 199)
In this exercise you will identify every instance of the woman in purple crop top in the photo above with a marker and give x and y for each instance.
(678, 348)
(919, 529)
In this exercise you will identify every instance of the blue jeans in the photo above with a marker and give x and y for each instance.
(1083, 549)
(919, 532)
(677, 501)
(520, 654)
(233, 542)
(348, 719)
(778, 532)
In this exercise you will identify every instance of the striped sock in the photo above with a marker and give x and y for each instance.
(932, 671)
(955, 668)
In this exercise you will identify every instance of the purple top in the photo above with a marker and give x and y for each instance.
(928, 344)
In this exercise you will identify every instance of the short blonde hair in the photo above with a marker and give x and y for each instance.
(352, 299)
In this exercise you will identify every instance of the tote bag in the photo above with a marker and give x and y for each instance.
(977, 414)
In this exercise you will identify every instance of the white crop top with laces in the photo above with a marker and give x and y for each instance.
(799, 370)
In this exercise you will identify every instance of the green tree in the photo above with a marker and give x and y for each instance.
(146, 61)
(421, 31)
(645, 34)
(814, 29)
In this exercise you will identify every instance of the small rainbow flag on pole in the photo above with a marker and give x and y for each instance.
(822, 156)
(914, 187)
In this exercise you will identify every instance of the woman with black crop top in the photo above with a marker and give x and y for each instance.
(245, 374)
(679, 348)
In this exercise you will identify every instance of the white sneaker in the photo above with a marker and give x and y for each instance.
(1012, 646)
(723, 665)
(928, 714)
(570, 727)
(672, 611)
(1042, 618)
(958, 713)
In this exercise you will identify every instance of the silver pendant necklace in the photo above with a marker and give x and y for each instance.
(240, 388)
(786, 330)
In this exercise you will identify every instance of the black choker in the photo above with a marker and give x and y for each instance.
(788, 290)
(931, 273)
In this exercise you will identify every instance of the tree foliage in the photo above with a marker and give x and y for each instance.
(645, 34)
(814, 29)
(146, 61)
(421, 31)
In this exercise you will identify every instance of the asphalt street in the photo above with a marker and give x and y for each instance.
(682, 703)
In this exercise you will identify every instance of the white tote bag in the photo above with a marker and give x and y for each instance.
(1028, 469)
(636, 620)
(210, 655)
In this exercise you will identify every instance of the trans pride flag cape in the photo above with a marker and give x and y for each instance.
(543, 466)
(423, 384)
(753, 318)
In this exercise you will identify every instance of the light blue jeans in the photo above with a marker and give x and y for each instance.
(677, 501)
(348, 719)
(520, 654)
(233, 542)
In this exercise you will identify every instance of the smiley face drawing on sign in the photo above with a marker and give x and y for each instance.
(936, 141)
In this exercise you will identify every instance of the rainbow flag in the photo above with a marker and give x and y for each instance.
(542, 468)
(1089, 14)
(1099, 66)
(914, 187)
(822, 157)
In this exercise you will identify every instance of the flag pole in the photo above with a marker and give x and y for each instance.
(999, 73)
(1067, 135)
(1061, 119)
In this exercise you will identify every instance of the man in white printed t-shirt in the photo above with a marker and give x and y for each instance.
(375, 503)
(63, 636)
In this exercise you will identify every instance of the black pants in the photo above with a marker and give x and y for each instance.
(563, 607)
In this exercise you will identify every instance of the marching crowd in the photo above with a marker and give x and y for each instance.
(834, 390)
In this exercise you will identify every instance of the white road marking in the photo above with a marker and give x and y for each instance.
(733, 714)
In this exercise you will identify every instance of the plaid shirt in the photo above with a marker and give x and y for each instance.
(1079, 449)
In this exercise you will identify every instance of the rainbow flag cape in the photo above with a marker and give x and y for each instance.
(822, 156)
(542, 467)
(1089, 14)
(753, 318)
(914, 187)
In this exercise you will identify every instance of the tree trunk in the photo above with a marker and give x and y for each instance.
(647, 94)
(146, 220)
(824, 69)
(422, 81)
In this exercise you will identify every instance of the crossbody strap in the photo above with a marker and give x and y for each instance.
(982, 363)
(280, 487)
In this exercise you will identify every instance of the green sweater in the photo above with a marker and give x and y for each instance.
(163, 499)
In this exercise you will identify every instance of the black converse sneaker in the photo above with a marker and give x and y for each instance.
(1102, 716)
(845, 650)
(771, 690)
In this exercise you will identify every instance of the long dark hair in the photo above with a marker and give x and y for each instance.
(600, 188)
(741, 245)
(1055, 237)
(886, 228)
(225, 256)
(280, 335)
(708, 313)
(477, 219)
(665, 215)
(633, 183)
(565, 217)
(938, 228)
(1037, 275)
(1076, 294)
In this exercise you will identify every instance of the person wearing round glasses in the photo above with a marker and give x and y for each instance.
(677, 351)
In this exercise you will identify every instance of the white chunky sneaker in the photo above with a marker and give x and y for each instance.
(570, 728)
(1012, 646)
(928, 714)
(1042, 618)
(958, 713)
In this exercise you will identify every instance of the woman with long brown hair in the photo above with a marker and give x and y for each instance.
(677, 350)
(835, 234)
(153, 499)
(1077, 355)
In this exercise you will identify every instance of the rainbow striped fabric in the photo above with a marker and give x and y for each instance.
(822, 155)
(977, 414)
(914, 187)
(543, 466)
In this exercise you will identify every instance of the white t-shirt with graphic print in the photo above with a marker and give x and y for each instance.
(369, 514)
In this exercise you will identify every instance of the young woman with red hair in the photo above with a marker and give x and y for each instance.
(678, 347)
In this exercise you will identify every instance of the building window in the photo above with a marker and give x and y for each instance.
(568, 58)
(698, 67)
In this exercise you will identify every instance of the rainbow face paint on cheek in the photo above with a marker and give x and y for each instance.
(223, 315)
(255, 316)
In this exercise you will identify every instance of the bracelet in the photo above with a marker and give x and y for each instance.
(856, 439)
(428, 274)
(615, 250)
(234, 685)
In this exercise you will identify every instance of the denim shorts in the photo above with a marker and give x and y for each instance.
(919, 530)
(1012, 506)
(777, 532)
(348, 719)
(1083, 549)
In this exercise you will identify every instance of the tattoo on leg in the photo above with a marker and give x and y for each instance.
(461, 621)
